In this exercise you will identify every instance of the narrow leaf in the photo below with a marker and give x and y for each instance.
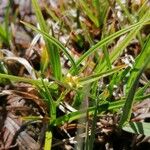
(97, 76)
(51, 49)
(138, 63)
(122, 45)
(54, 41)
(138, 128)
(89, 12)
(109, 39)
(48, 140)
(127, 109)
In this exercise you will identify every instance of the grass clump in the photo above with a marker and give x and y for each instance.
(100, 71)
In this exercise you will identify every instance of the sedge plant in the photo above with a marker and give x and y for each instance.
(98, 100)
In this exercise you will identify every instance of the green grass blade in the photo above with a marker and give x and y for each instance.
(138, 128)
(143, 8)
(54, 41)
(106, 56)
(39, 15)
(48, 140)
(105, 50)
(102, 7)
(47, 94)
(141, 90)
(92, 137)
(3, 35)
(51, 49)
(119, 49)
(131, 18)
(19, 79)
(52, 14)
(6, 20)
(127, 109)
(34, 82)
(79, 114)
(109, 39)
(138, 63)
(82, 113)
(97, 76)
(89, 12)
